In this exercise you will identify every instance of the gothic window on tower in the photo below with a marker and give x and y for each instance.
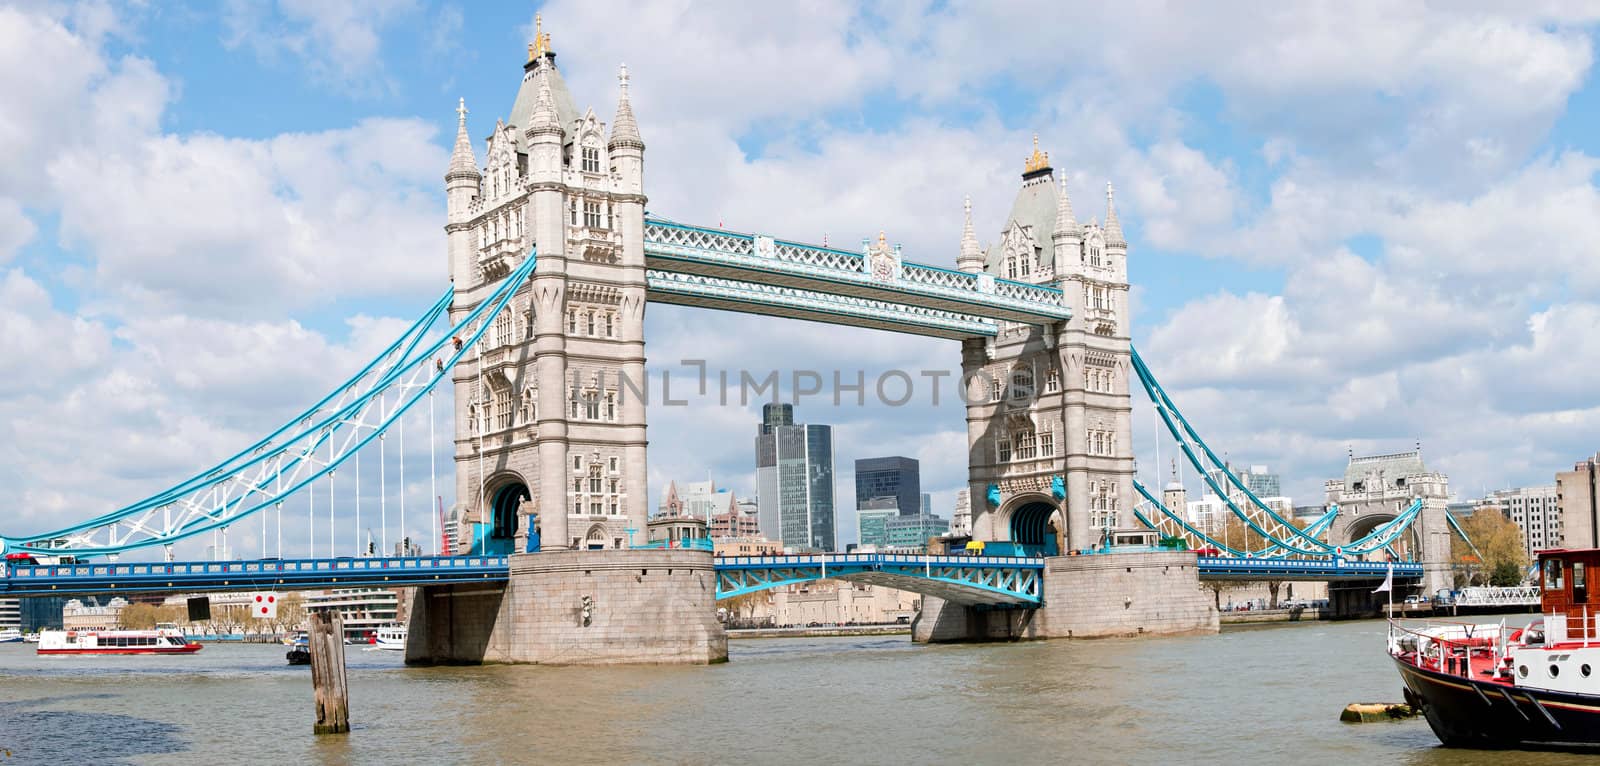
(588, 320)
(1011, 267)
(1052, 380)
(577, 462)
(1003, 448)
(591, 405)
(1022, 383)
(572, 321)
(611, 464)
(1027, 444)
(502, 407)
(572, 206)
(611, 406)
(1047, 443)
(591, 215)
(995, 389)
(502, 328)
(607, 325)
(594, 484)
(591, 159)
(577, 486)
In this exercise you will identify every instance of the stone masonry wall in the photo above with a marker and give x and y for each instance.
(1125, 594)
(646, 606)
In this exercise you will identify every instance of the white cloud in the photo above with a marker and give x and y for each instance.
(340, 44)
(229, 226)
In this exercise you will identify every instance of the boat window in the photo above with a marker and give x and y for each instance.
(1578, 587)
(1555, 670)
(1552, 574)
(1584, 671)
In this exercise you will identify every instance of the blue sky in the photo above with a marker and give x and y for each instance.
(1352, 225)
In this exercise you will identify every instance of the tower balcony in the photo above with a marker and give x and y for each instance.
(596, 243)
(1100, 319)
(497, 258)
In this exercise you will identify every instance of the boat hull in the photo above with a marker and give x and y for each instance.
(189, 649)
(1465, 712)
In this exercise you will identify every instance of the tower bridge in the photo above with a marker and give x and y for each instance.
(553, 261)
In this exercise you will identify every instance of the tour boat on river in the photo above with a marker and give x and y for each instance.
(1489, 686)
(165, 639)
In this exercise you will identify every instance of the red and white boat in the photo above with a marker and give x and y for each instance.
(1489, 686)
(165, 639)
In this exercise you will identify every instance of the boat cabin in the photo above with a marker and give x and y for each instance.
(1564, 598)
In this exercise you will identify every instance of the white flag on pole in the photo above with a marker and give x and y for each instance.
(1388, 581)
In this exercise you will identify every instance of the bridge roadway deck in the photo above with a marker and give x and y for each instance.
(1226, 568)
(190, 576)
(999, 580)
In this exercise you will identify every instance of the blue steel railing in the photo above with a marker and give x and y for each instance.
(692, 544)
(242, 575)
(1219, 566)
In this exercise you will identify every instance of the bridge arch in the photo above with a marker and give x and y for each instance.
(505, 494)
(1033, 519)
(1406, 546)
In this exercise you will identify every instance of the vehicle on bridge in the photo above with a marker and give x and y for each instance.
(1490, 686)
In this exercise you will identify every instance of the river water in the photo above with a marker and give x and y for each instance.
(1256, 695)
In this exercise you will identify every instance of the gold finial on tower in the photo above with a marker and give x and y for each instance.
(1038, 160)
(541, 39)
(883, 241)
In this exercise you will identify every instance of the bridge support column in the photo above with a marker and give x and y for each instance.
(1126, 594)
(605, 607)
(1122, 594)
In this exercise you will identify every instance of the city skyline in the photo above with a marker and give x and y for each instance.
(1290, 240)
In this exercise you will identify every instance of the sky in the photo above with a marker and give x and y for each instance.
(1353, 226)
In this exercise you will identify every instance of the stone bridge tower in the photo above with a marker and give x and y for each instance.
(1377, 488)
(550, 416)
(1048, 413)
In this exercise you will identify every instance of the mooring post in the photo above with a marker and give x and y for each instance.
(327, 673)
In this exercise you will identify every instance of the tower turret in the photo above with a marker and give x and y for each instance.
(461, 180)
(1066, 235)
(626, 145)
(971, 258)
(461, 185)
(1114, 239)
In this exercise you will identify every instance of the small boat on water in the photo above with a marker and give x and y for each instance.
(295, 639)
(1489, 686)
(10, 636)
(299, 651)
(392, 638)
(32, 638)
(165, 639)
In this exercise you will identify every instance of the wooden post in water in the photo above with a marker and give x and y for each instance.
(327, 672)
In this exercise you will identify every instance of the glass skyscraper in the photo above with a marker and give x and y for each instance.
(899, 478)
(794, 480)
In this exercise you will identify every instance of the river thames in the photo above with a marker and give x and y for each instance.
(1256, 695)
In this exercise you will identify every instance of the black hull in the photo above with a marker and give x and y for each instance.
(1478, 714)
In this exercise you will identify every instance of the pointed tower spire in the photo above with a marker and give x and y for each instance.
(971, 258)
(462, 163)
(544, 119)
(1066, 222)
(1113, 226)
(624, 129)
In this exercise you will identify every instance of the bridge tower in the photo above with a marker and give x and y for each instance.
(1377, 488)
(550, 427)
(547, 420)
(1048, 413)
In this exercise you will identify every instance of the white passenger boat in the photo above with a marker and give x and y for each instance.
(391, 638)
(165, 639)
(10, 635)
